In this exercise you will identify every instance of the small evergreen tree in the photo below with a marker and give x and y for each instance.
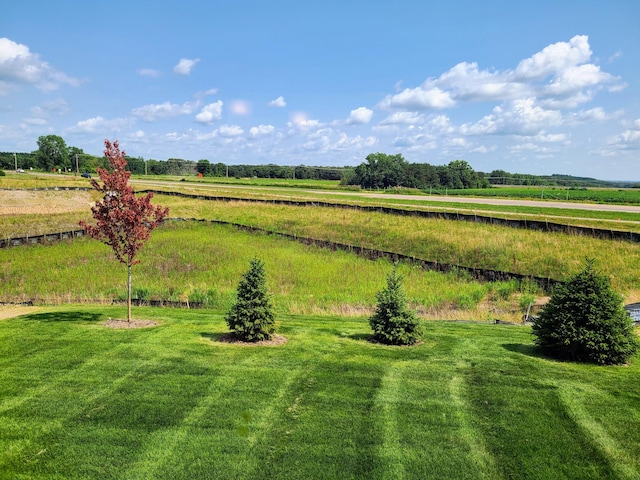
(251, 317)
(585, 321)
(393, 322)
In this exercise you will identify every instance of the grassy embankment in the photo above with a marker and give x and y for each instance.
(553, 255)
(473, 401)
(201, 262)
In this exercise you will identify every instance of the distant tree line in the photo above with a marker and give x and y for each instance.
(271, 170)
(379, 171)
(385, 171)
(500, 177)
(54, 155)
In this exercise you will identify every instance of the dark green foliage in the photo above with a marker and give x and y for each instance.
(585, 321)
(2, 174)
(393, 322)
(383, 171)
(251, 317)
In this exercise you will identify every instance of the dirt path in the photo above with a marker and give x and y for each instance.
(11, 311)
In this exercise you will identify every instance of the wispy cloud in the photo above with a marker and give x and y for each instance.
(153, 112)
(149, 72)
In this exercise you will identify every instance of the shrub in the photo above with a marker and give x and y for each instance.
(393, 323)
(2, 174)
(251, 317)
(585, 321)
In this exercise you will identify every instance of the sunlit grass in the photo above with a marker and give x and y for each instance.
(201, 262)
(553, 255)
(81, 401)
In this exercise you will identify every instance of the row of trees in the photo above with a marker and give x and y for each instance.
(271, 170)
(53, 154)
(584, 320)
(385, 171)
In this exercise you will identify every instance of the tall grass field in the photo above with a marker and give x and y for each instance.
(203, 262)
(82, 401)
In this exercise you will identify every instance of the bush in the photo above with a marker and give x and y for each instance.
(251, 317)
(2, 174)
(585, 321)
(393, 323)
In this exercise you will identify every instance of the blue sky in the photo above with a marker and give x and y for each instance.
(536, 87)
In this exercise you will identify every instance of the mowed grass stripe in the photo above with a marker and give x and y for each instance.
(574, 397)
(471, 401)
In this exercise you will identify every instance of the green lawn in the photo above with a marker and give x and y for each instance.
(79, 400)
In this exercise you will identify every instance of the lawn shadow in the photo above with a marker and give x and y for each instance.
(358, 336)
(212, 337)
(528, 350)
(64, 317)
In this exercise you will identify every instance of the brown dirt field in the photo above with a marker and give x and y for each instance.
(23, 202)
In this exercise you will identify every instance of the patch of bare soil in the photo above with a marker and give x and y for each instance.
(21, 202)
(231, 338)
(10, 311)
(121, 324)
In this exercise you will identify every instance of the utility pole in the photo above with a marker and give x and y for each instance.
(77, 171)
(15, 159)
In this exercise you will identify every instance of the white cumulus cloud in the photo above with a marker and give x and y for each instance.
(261, 130)
(19, 66)
(185, 65)
(278, 102)
(210, 113)
(559, 76)
(360, 116)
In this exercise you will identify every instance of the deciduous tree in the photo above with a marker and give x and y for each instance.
(52, 152)
(124, 221)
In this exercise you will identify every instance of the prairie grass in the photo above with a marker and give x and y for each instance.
(553, 255)
(81, 401)
(199, 262)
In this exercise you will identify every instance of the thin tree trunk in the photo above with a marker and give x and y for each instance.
(129, 294)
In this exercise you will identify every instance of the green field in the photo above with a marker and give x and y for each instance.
(473, 400)
(82, 401)
(595, 195)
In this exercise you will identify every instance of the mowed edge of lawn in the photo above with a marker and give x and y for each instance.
(172, 401)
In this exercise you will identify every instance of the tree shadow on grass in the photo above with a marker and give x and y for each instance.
(366, 337)
(212, 337)
(528, 350)
(64, 317)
